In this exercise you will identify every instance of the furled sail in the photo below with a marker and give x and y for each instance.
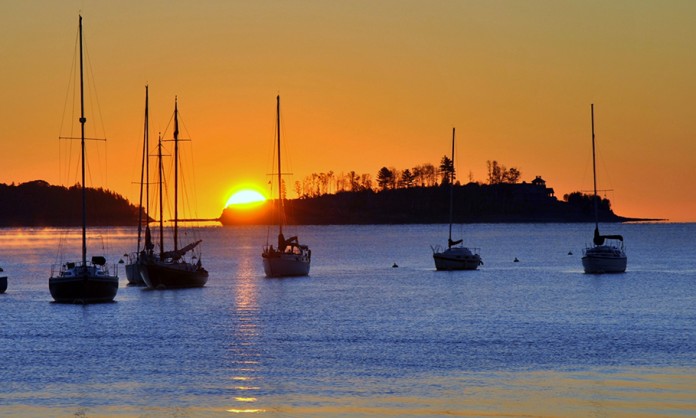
(599, 239)
(175, 255)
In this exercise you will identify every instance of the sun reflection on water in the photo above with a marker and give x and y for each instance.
(244, 351)
(240, 399)
(246, 411)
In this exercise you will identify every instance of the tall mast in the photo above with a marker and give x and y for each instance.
(449, 241)
(142, 172)
(594, 174)
(176, 175)
(161, 200)
(147, 160)
(82, 145)
(281, 214)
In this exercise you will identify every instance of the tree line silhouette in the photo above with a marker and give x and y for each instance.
(37, 203)
(421, 195)
(390, 178)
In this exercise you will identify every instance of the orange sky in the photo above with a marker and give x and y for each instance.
(366, 84)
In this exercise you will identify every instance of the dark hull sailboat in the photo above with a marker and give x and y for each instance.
(290, 258)
(77, 284)
(170, 269)
(607, 254)
(3, 283)
(456, 256)
(83, 282)
(173, 275)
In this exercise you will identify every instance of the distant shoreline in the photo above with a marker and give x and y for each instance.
(473, 203)
(624, 220)
(24, 205)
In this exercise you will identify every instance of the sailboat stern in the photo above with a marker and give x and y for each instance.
(293, 262)
(604, 259)
(169, 274)
(457, 258)
(83, 285)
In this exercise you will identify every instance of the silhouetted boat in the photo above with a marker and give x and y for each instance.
(456, 256)
(3, 282)
(606, 255)
(133, 265)
(171, 269)
(83, 282)
(290, 258)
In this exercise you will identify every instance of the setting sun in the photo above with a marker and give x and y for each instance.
(245, 197)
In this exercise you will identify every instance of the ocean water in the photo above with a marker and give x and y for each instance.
(359, 337)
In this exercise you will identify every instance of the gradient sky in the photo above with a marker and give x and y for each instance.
(366, 84)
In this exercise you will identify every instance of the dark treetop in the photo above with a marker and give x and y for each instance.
(37, 203)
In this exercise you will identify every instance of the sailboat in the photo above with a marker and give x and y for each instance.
(607, 254)
(290, 258)
(3, 282)
(171, 269)
(133, 266)
(86, 281)
(456, 256)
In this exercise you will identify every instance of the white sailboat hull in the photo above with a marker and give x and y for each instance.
(289, 258)
(604, 259)
(285, 265)
(132, 268)
(457, 258)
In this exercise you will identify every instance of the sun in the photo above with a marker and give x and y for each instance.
(245, 197)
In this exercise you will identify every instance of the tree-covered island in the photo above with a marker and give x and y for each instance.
(37, 203)
(421, 195)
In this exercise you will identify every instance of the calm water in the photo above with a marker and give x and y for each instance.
(360, 338)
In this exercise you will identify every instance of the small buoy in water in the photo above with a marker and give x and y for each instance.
(394, 265)
(570, 253)
(516, 260)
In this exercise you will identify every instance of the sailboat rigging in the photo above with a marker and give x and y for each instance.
(456, 256)
(133, 267)
(607, 254)
(290, 258)
(171, 269)
(83, 282)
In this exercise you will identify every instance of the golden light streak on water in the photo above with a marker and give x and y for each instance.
(631, 392)
(602, 392)
(240, 399)
(246, 307)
